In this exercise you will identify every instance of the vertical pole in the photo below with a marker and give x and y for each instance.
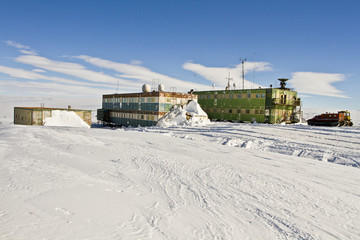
(117, 86)
(243, 72)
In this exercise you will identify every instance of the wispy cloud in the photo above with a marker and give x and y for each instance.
(135, 62)
(142, 74)
(22, 48)
(48, 89)
(38, 70)
(218, 75)
(317, 83)
(17, 45)
(32, 75)
(75, 70)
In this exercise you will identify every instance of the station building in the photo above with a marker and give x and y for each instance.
(140, 109)
(37, 115)
(262, 105)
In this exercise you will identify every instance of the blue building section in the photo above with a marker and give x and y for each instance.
(139, 109)
(131, 122)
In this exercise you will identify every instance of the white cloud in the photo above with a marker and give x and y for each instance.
(50, 89)
(142, 74)
(32, 75)
(17, 45)
(74, 69)
(38, 70)
(22, 48)
(219, 75)
(135, 62)
(29, 52)
(317, 83)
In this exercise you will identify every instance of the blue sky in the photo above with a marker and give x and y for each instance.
(89, 48)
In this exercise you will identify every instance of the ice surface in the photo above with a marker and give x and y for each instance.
(65, 119)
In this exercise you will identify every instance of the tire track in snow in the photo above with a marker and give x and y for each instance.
(341, 146)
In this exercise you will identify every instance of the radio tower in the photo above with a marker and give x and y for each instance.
(243, 60)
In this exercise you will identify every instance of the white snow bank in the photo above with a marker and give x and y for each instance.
(65, 119)
(191, 114)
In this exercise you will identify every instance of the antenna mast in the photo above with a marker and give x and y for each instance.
(117, 86)
(243, 60)
(228, 85)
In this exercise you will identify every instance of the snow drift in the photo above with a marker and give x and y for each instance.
(65, 119)
(191, 114)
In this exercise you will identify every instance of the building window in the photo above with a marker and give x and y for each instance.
(263, 95)
(239, 95)
(258, 95)
(238, 111)
(249, 95)
(247, 111)
(231, 96)
(230, 110)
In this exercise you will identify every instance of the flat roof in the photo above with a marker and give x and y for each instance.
(43, 108)
(149, 94)
(245, 90)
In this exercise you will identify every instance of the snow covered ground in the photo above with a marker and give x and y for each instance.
(220, 181)
(214, 181)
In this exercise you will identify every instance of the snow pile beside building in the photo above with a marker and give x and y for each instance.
(191, 114)
(65, 119)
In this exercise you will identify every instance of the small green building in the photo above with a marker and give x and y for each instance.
(37, 115)
(262, 105)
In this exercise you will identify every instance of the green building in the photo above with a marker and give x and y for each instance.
(37, 115)
(262, 105)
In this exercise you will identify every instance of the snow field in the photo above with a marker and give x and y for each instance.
(178, 183)
(337, 145)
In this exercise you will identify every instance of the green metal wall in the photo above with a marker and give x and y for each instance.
(263, 105)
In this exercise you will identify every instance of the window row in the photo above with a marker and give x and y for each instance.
(236, 111)
(134, 116)
(232, 96)
(130, 100)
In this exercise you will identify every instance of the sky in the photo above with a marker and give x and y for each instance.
(85, 49)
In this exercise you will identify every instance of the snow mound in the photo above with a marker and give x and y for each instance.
(65, 119)
(191, 114)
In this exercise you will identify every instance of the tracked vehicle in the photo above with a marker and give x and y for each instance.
(342, 118)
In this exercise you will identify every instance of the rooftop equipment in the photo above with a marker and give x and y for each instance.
(146, 88)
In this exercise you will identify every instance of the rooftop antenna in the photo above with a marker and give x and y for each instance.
(283, 82)
(117, 86)
(254, 82)
(243, 60)
(153, 84)
(228, 84)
